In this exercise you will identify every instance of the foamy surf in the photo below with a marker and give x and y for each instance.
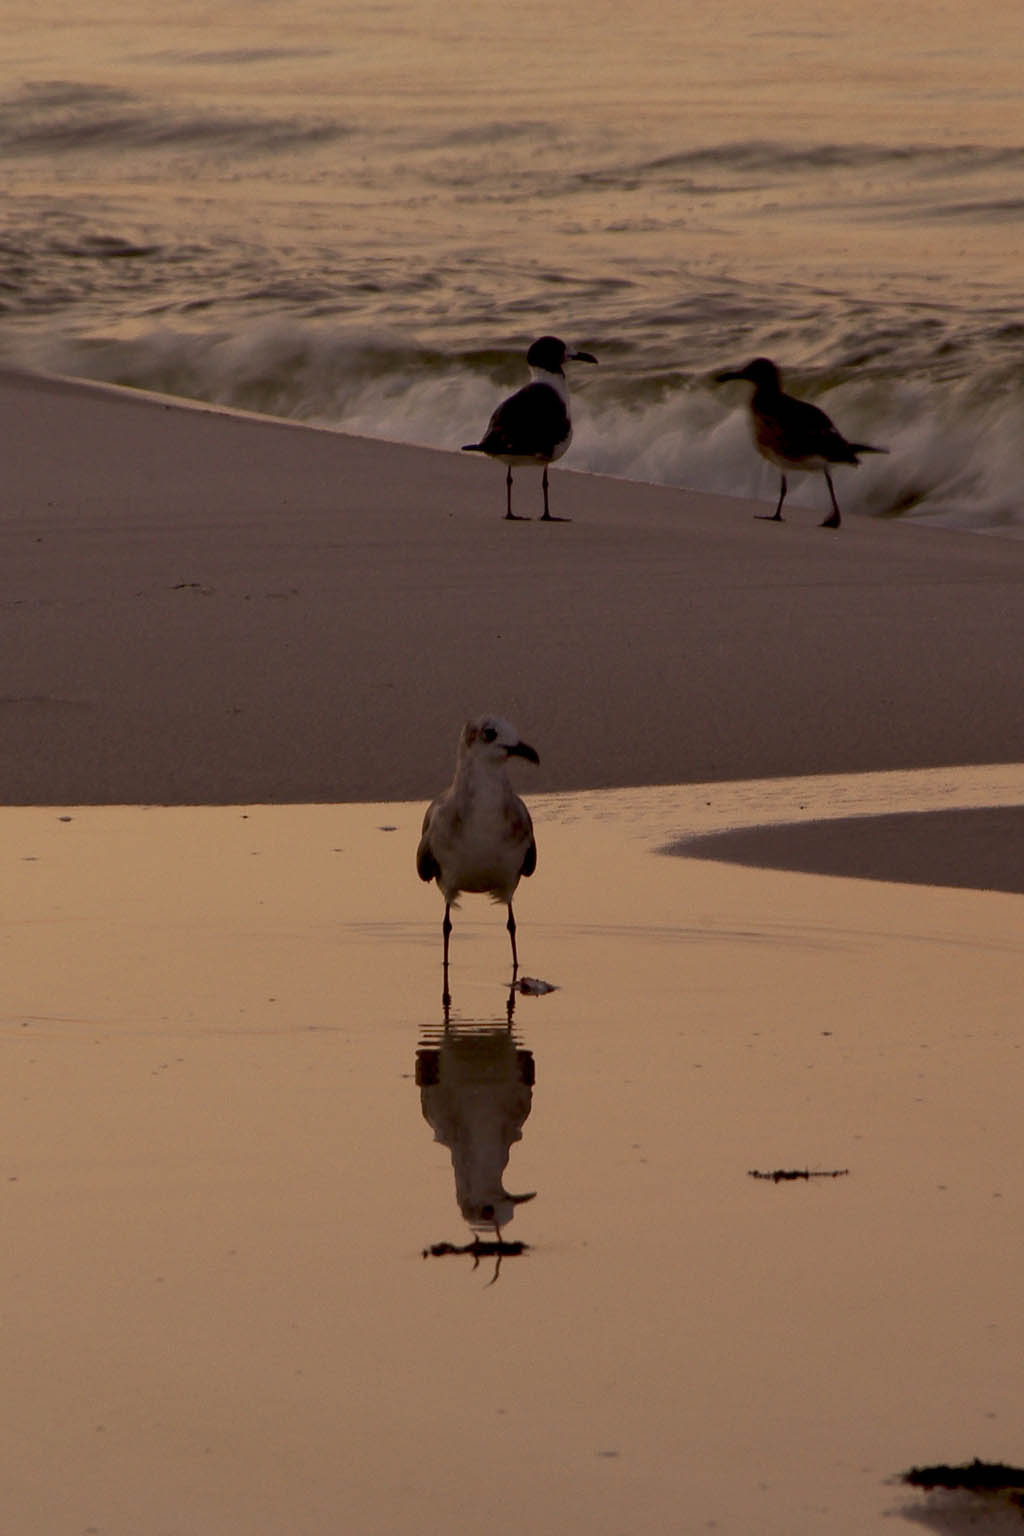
(328, 217)
(953, 442)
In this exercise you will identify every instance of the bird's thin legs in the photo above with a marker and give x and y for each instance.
(836, 517)
(546, 517)
(776, 516)
(446, 929)
(509, 514)
(511, 926)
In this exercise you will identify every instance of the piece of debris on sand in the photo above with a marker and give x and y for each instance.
(783, 1175)
(991, 1480)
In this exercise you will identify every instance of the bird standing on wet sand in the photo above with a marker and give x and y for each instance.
(477, 835)
(533, 425)
(793, 434)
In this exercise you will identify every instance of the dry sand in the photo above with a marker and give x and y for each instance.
(982, 849)
(200, 607)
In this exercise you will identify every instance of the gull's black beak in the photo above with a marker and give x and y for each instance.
(582, 357)
(730, 374)
(522, 749)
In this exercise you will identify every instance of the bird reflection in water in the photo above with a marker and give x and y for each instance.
(476, 1091)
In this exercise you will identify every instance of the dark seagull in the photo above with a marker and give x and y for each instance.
(793, 434)
(533, 425)
(477, 835)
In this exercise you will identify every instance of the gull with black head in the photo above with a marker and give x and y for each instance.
(792, 434)
(533, 426)
(478, 835)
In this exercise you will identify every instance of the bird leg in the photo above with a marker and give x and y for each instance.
(511, 926)
(511, 516)
(446, 929)
(546, 517)
(836, 518)
(776, 516)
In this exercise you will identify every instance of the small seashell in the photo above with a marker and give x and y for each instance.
(530, 986)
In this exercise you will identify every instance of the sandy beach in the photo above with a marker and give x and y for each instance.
(204, 608)
(237, 653)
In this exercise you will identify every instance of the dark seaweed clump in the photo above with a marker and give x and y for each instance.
(974, 1476)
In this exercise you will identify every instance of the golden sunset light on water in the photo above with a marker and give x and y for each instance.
(706, 1216)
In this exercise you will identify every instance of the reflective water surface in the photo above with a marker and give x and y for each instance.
(476, 1090)
(361, 214)
(290, 1246)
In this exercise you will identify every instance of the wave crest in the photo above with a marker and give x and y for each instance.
(953, 444)
(72, 118)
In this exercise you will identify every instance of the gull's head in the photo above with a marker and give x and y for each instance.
(492, 1216)
(761, 372)
(490, 739)
(549, 354)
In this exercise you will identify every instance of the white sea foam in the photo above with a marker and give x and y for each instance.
(325, 216)
(953, 445)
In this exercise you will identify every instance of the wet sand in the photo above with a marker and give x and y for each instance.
(220, 1176)
(234, 1119)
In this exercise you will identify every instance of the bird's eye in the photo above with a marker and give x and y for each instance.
(489, 733)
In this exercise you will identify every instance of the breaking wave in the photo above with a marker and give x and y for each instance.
(954, 445)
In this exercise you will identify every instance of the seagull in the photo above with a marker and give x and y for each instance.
(533, 426)
(477, 835)
(793, 434)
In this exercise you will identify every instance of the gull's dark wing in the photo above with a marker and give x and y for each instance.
(427, 866)
(796, 430)
(532, 422)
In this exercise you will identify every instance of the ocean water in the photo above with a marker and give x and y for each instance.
(360, 214)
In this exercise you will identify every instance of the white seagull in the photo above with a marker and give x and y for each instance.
(477, 835)
(533, 426)
(793, 434)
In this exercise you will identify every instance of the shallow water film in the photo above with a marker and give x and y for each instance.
(292, 1246)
